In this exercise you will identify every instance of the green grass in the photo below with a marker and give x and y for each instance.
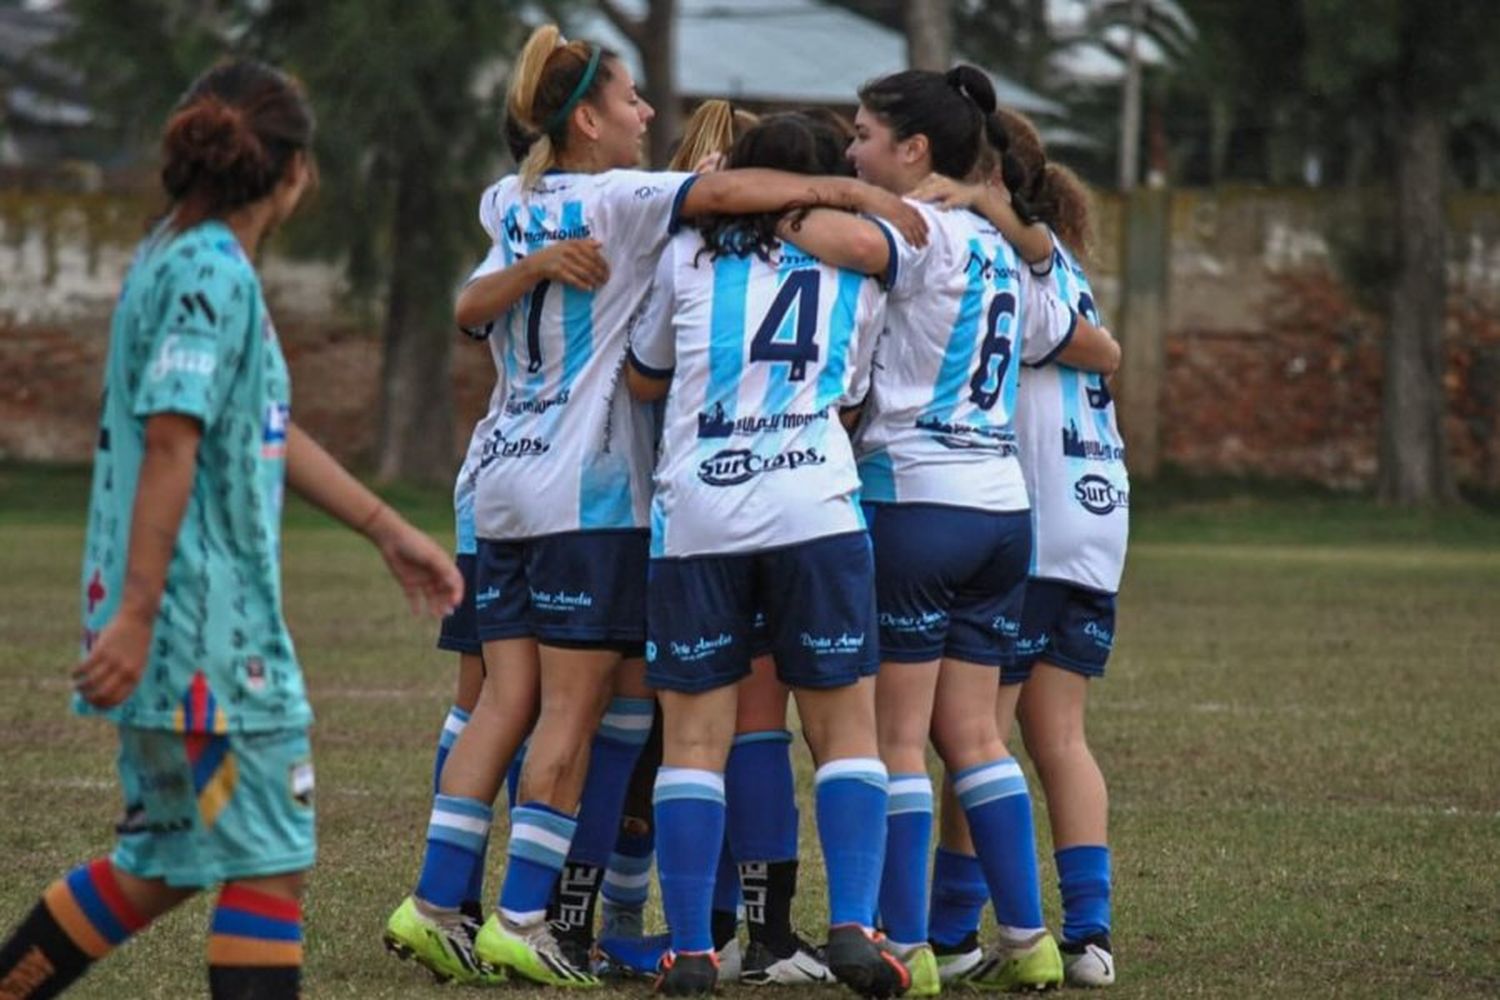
(1299, 728)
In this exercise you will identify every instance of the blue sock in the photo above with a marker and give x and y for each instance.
(622, 733)
(851, 802)
(998, 806)
(689, 839)
(627, 880)
(513, 777)
(1083, 877)
(762, 797)
(959, 893)
(726, 882)
(452, 726)
(456, 835)
(539, 840)
(908, 841)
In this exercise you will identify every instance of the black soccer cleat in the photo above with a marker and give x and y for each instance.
(694, 974)
(862, 961)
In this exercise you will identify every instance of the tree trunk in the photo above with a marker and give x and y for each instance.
(929, 34)
(1414, 466)
(659, 56)
(416, 405)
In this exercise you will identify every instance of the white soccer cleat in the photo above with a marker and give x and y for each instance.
(1089, 963)
(803, 967)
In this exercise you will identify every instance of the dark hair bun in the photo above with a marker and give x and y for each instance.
(209, 137)
(232, 138)
(974, 84)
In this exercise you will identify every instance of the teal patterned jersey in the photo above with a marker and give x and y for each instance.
(191, 335)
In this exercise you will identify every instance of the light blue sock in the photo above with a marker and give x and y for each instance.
(453, 725)
(998, 806)
(456, 835)
(617, 745)
(627, 880)
(539, 840)
(851, 799)
(762, 797)
(903, 886)
(1083, 878)
(689, 839)
(513, 777)
(959, 893)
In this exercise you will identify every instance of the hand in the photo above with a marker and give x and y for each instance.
(947, 193)
(425, 570)
(709, 163)
(909, 222)
(114, 664)
(579, 263)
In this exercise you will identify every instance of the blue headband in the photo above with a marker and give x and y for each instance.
(584, 82)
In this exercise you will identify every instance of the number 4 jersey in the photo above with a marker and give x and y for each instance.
(1074, 458)
(963, 314)
(763, 353)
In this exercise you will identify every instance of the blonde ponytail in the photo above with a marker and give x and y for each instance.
(526, 75)
(550, 77)
(710, 130)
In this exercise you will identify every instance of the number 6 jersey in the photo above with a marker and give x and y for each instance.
(763, 354)
(963, 314)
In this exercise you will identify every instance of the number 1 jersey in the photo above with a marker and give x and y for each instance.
(570, 450)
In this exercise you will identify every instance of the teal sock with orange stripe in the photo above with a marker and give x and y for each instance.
(82, 917)
(254, 946)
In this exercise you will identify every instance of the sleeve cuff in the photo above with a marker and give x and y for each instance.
(1062, 345)
(674, 222)
(887, 280)
(647, 370)
(477, 332)
(1044, 268)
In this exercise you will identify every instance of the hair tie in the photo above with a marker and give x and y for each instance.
(584, 82)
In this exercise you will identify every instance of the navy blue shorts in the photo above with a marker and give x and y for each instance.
(949, 582)
(1068, 626)
(819, 604)
(459, 632)
(576, 588)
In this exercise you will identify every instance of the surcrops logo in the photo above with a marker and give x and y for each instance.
(734, 466)
(1100, 496)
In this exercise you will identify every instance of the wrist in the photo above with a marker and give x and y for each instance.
(139, 602)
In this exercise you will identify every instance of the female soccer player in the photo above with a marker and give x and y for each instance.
(1074, 460)
(561, 500)
(948, 509)
(186, 650)
(762, 345)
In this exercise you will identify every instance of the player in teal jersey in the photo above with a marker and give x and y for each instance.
(185, 646)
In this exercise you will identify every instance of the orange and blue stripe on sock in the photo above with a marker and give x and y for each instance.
(253, 928)
(89, 907)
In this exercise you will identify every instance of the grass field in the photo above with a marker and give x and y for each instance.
(1301, 728)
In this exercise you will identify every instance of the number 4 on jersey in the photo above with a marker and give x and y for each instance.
(799, 290)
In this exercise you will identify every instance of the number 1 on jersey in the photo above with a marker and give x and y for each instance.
(534, 326)
(799, 290)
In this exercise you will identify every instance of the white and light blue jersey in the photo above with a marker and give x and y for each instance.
(963, 314)
(1073, 457)
(570, 450)
(464, 487)
(763, 354)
